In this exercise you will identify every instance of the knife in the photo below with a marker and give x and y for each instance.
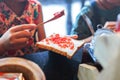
(56, 16)
(89, 23)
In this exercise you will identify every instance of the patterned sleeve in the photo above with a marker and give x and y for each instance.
(36, 10)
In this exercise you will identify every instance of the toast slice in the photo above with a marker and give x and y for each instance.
(60, 44)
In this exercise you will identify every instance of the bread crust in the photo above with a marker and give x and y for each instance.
(63, 53)
(54, 50)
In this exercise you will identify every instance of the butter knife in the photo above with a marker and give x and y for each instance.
(89, 23)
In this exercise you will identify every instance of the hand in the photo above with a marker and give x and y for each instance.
(17, 37)
(73, 36)
(110, 25)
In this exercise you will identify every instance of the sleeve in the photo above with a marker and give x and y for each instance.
(80, 27)
(37, 13)
(38, 18)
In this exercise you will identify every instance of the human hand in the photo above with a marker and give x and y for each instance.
(17, 37)
(110, 25)
(73, 36)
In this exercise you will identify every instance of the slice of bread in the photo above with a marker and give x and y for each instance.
(62, 45)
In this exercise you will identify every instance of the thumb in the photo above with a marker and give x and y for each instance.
(73, 36)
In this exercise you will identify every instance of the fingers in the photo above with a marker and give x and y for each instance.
(73, 36)
(22, 31)
(23, 34)
(24, 27)
(15, 43)
(19, 43)
(16, 37)
(109, 24)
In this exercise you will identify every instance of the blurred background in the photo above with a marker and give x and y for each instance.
(64, 24)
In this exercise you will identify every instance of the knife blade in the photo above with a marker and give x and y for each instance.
(56, 16)
(89, 23)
